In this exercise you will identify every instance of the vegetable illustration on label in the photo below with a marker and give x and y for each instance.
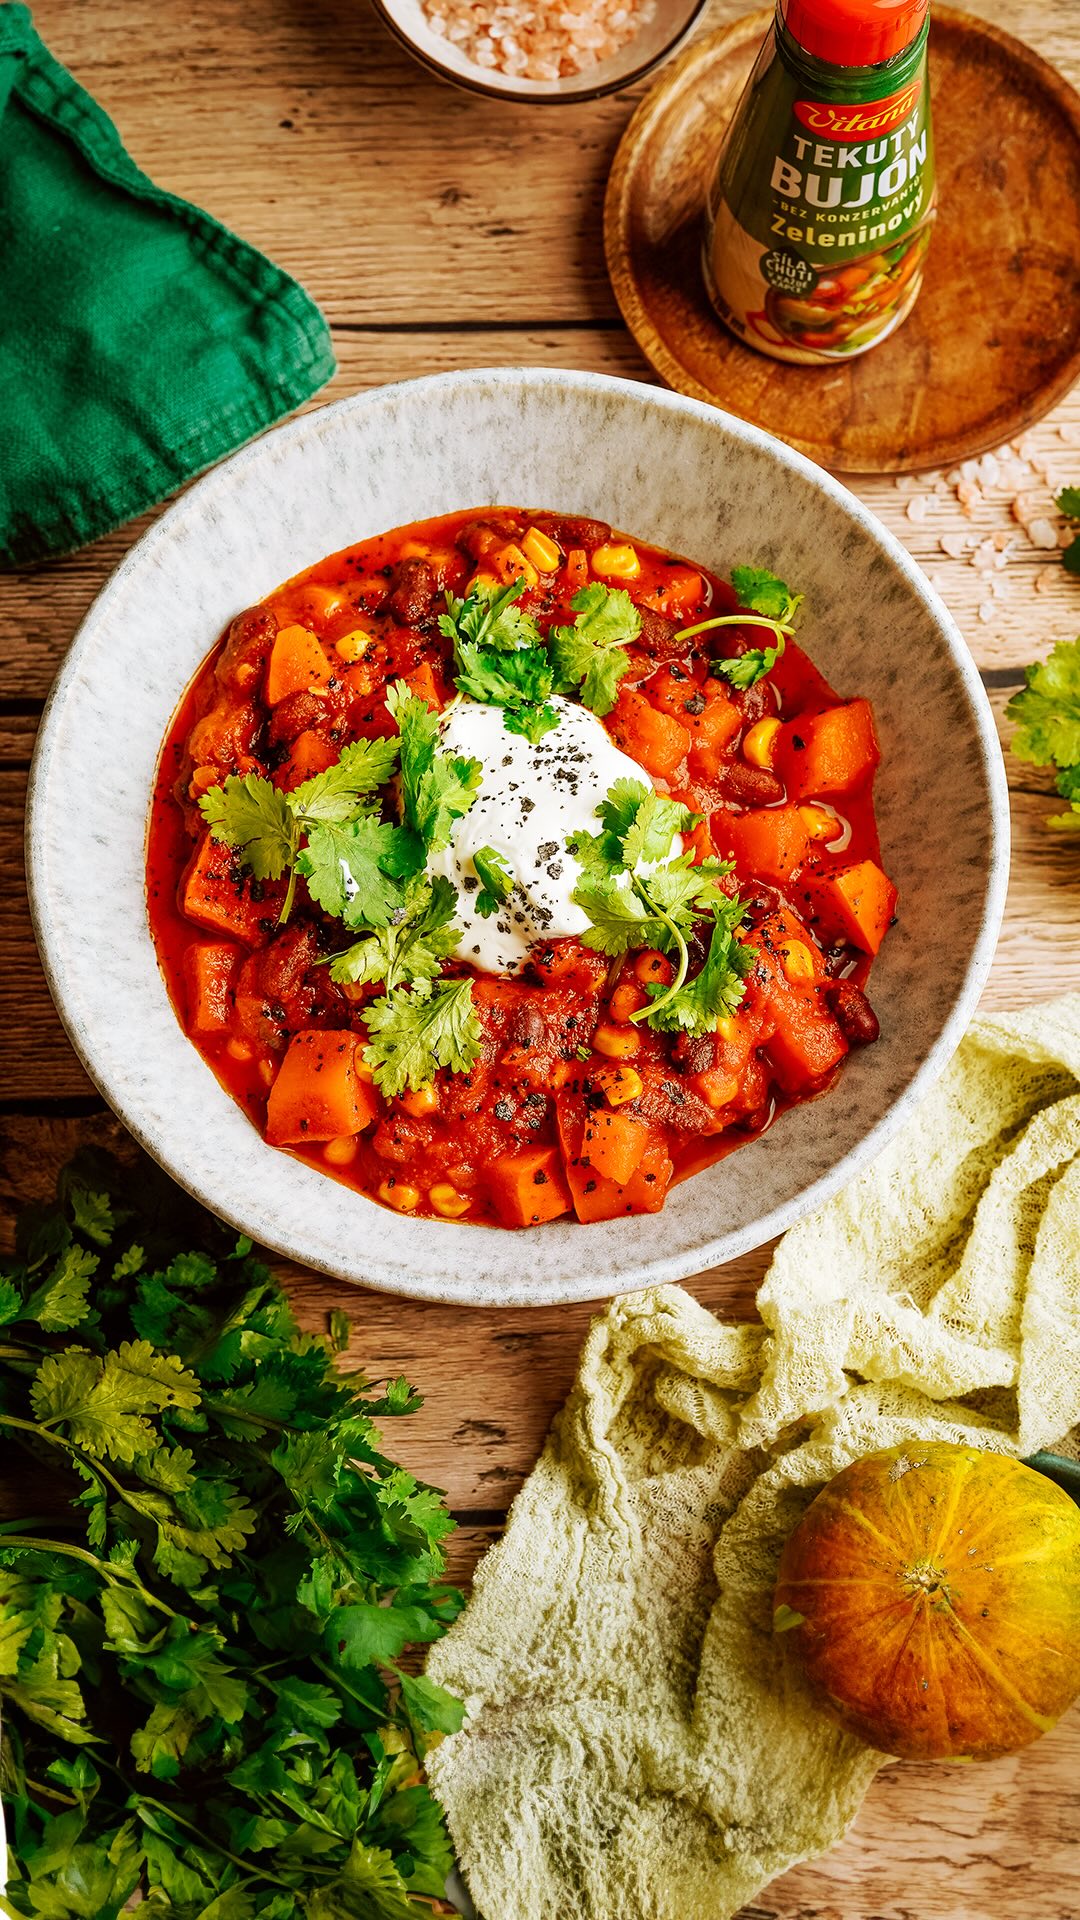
(822, 201)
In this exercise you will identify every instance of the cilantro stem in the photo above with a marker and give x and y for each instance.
(290, 896)
(246, 1867)
(781, 630)
(42, 1430)
(654, 1006)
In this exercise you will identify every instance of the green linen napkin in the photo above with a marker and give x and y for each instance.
(139, 339)
(633, 1748)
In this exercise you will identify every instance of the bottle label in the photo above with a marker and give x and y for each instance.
(820, 213)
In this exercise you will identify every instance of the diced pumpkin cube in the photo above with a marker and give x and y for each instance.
(828, 752)
(767, 843)
(309, 754)
(655, 740)
(805, 1043)
(853, 903)
(297, 665)
(421, 681)
(528, 1186)
(216, 894)
(318, 1094)
(210, 970)
(613, 1144)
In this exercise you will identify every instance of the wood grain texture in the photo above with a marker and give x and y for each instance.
(439, 232)
(994, 338)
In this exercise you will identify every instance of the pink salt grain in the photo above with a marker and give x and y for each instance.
(539, 39)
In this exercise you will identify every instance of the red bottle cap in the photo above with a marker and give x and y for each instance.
(854, 33)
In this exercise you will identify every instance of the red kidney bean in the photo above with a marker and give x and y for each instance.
(855, 1017)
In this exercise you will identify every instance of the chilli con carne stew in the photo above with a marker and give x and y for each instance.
(506, 867)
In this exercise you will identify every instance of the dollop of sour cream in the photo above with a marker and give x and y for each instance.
(531, 799)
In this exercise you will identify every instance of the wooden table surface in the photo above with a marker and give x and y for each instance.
(442, 231)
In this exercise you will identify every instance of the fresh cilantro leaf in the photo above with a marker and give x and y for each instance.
(1047, 711)
(413, 1034)
(714, 993)
(518, 682)
(345, 872)
(1068, 785)
(436, 788)
(1071, 556)
(639, 826)
(649, 837)
(619, 918)
(749, 667)
(489, 617)
(762, 592)
(590, 656)
(359, 770)
(60, 1302)
(1068, 502)
(419, 936)
(11, 1302)
(250, 814)
(91, 1213)
(367, 1635)
(496, 881)
(435, 1710)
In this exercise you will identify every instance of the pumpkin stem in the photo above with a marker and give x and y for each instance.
(922, 1577)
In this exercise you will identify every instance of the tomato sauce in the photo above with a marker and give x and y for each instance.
(571, 1106)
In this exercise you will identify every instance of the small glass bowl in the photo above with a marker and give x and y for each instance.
(409, 24)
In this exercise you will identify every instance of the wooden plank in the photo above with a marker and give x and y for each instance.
(41, 610)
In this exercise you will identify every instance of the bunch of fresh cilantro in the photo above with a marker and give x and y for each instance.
(202, 1621)
(1047, 716)
(636, 894)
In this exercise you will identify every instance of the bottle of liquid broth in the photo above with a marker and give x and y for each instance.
(821, 205)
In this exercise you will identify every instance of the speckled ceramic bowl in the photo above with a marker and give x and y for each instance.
(656, 465)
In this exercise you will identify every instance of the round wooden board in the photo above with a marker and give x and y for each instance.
(992, 343)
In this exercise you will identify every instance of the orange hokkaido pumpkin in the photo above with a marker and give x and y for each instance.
(931, 1597)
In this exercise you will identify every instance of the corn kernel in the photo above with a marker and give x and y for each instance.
(202, 779)
(618, 1043)
(820, 824)
(759, 747)
(622, 1085)
(626, 1000)
(352, 646)
(543, 553)
(448, 1201)
(342, 1151)
(619, 560)
(424, 1101)
(725, 1027)
(240, 1050)
(797, 960)
(398, 1193)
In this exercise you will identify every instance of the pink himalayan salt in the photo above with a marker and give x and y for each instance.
(535, 39)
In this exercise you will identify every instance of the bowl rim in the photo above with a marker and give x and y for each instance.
(717, 1249)
(594, 91)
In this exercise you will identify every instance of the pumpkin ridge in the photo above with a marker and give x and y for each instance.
(990, 1667)
(960, 1486)
(856, 1514)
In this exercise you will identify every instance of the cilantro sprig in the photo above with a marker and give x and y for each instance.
(771, 604)
(1047, 716)
(500, 658)
(589, 658)
(412, 946)
(412, 1034)
(496, 881)
(635, 894)
(201, 1629)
